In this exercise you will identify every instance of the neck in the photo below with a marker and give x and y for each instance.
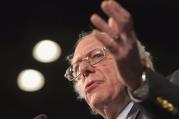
(112, 110)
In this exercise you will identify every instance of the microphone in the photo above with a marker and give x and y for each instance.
(41, 116)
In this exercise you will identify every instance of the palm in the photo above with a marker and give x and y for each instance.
(119, 37)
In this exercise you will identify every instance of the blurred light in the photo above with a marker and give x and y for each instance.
(46, 51)
(30, 80)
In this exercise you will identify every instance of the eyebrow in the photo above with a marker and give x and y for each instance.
(78, 58)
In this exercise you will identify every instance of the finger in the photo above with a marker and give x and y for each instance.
(113, 28)
(115, 10)
(110, 27)
(105, 39)
(100, 23)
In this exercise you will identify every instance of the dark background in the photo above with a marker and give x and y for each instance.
(24, 23)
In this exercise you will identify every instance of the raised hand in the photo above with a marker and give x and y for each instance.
(118, 35)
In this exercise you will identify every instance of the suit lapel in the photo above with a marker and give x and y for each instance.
(137, 112)
(134, 113)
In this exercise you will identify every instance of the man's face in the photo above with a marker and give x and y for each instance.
(101, 83)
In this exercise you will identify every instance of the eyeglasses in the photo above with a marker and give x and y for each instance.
(93, 57)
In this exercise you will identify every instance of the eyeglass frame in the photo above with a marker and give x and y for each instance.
(87, 58)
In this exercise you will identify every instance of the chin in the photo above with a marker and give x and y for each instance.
(96, 100)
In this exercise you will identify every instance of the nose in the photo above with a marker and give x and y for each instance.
(85, 69)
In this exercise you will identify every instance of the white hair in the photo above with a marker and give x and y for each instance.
(143, 55)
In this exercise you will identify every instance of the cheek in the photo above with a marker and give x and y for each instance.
(105, 94)
(111, 72)
(113, 81)
(111, 89)
(114, 88)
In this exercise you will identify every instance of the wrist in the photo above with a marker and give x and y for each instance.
(141, 92)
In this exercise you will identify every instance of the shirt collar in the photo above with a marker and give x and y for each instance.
(125, 111)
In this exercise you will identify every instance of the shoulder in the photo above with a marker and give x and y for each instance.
(174, 77)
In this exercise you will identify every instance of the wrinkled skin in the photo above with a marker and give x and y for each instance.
(106, 95)
(118, 35)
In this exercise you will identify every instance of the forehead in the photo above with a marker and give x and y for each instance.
(86, 44)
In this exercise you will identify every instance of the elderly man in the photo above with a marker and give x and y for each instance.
(113, 73)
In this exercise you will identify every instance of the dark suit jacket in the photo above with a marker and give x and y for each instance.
(162, 101)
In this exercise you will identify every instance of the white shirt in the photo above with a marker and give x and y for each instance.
(125, 111)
